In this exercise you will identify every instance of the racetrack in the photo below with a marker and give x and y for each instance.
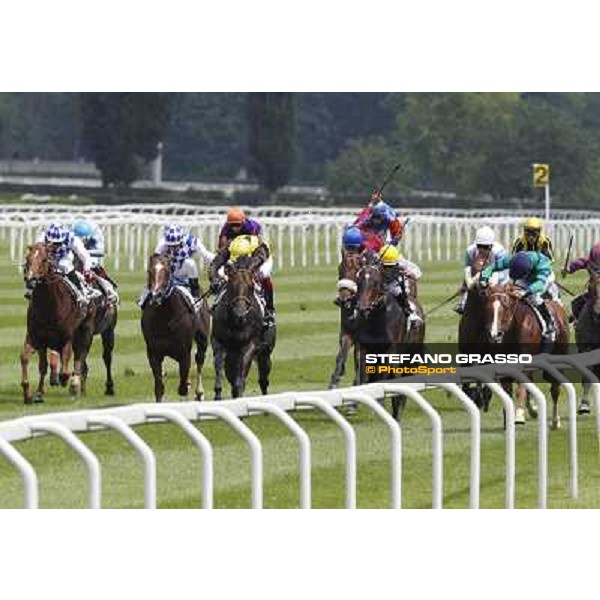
(303, 360)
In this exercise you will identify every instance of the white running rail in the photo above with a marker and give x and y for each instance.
(189, 415)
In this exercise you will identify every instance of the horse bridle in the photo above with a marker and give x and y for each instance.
(247, 300)
(380, 298)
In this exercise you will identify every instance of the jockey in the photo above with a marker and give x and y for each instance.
(534, 240)
(396, 269)
(237, 224)
(376, 220)
(93, 241)
(486, 246)
(247, 245)
(63, 245)
(352, 243)
(531, 272)
(592, 264)
(180, 248)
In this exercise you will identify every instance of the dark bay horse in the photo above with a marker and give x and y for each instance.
(586, 310)
(170, 326)
(512, 326)
(54, 322)
(238, 336)
(472, 337)
(347, 269)
(381, 324)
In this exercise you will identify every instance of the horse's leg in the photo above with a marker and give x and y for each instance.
(201, 346)
(218, 361)
(26, 355)
(65, 357)
(233, 371)
(84, 375)
(156, 367)
(42, 370)
(108, 345)
(264, 369)
(82, 340)
(184, 362)
(247, 357)
(54, 360)
(555, 393)
(340, 360)
(520, 399)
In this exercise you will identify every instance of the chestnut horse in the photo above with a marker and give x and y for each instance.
(54, 322)
(238, 335)
(170, 326)
(512, 326)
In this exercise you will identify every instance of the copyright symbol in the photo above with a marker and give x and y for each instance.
(370, 369)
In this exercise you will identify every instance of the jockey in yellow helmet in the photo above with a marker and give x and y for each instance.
(396, 269)
(247, 245)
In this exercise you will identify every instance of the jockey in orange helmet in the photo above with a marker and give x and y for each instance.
(237, 224)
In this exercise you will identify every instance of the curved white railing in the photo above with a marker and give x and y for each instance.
(122, 419)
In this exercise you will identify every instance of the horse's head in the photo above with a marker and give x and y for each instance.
(159, 272)
(370, 282)
(37, 263)
(241, 278)
(499, 306)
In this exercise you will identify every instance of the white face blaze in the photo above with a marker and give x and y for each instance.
(158, 269)
(494, 330)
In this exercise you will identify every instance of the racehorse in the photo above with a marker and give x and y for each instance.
(381, 325)
(54, 322)
(238, 336)
(347, 269)
(170, 325)
(472, 338)
(512, 326)
(586, 310)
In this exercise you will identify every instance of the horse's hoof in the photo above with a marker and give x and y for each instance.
(109, 391)
(28, 401)
(199, 397)
(556, 424)
(532, 408)
(520, 416)
(351, 409)
(584, 408)
(38, 399)
(64, 379)
(54, 381)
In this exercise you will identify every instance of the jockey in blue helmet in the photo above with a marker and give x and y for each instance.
(93, 240)
(352, 243)
(530, 271)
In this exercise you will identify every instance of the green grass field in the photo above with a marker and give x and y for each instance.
(303, 360)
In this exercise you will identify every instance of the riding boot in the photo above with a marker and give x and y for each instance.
(549, 322)
(194, 287)
(408, 310)
(73, 277)
(460, 307)
(269, 305)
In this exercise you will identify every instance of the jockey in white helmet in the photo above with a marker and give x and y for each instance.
(484, 247)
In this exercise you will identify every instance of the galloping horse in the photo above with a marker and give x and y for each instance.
(587, 330)
(347, 269)
(170, 326)
(472, 338)
(381, 323)
(238, 336)
(54, 322)
(512, 325)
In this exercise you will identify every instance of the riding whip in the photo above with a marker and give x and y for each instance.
(564, 271)
(564, 289)
(443, 303)
(389, 177)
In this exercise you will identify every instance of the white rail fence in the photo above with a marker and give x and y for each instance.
(299, 237)
(183, 415)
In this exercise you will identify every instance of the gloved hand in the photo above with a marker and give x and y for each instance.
(88, 276)
(483, 281)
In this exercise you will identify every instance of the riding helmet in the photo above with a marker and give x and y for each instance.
(174, 235)
(83, 229)
(485, 236)
(56, 233)
(352, 237)
(521, 265)
(235, 216)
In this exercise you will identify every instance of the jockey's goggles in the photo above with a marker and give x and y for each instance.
(529, 231)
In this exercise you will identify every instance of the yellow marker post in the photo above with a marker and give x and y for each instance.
(541, 178)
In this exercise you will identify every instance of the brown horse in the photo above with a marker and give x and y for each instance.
(586, 310)
(381, 324)
(54, 322)
(238, 335)
(347, 269)
(170, 326)
(512, 326)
